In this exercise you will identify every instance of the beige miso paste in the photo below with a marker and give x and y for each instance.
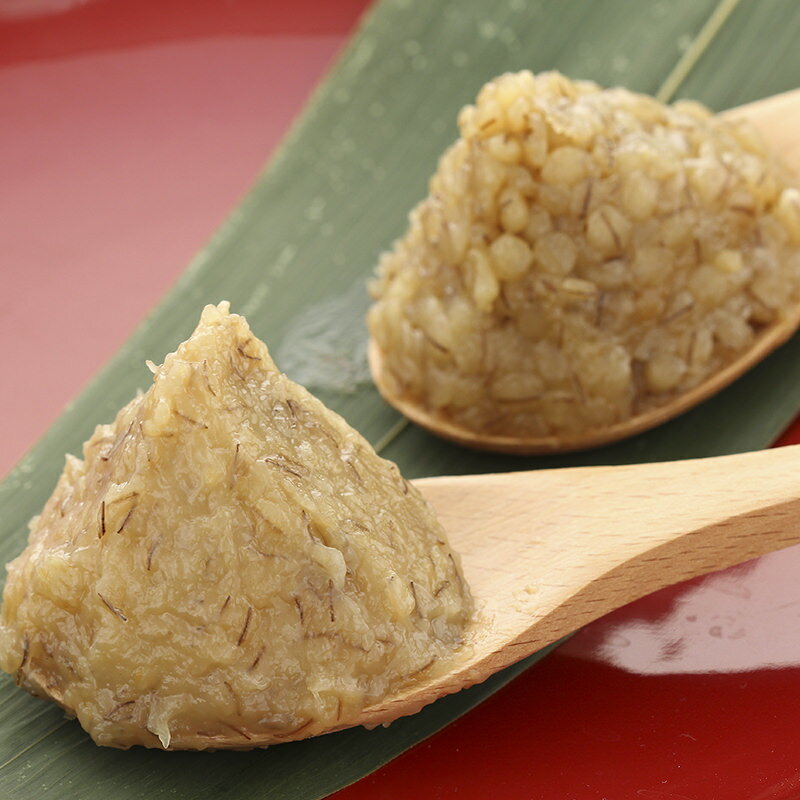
(229, 563)
(584, 255)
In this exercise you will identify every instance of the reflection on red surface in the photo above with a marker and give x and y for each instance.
(692, 693)
(734, 621)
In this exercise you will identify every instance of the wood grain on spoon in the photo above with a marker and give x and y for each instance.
(778, 120)
(546, 552)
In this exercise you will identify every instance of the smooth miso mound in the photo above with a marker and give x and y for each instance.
(584, 255)
(229, 563)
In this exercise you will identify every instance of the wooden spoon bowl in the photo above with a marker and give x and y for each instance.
(778, 120)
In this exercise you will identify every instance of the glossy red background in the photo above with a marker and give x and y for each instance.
(129, 130)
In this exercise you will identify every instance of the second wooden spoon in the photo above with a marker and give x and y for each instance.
(778, 120)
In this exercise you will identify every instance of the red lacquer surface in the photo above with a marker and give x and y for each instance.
(135, 126)
(128, 130)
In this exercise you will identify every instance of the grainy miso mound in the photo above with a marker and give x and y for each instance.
(583, 255)
(230, 560)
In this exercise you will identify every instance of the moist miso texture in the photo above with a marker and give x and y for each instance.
(230, 560)
(583, 255)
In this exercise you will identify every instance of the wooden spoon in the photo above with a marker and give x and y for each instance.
(778, 120)
(548, 551)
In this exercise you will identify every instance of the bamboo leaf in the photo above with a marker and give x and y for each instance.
(299, 250)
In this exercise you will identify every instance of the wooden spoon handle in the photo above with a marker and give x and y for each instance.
(778, 120)
(603, 536)
(547, 552)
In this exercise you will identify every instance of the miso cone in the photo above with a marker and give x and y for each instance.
(230, 563)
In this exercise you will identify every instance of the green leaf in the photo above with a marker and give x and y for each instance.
(295, 257)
